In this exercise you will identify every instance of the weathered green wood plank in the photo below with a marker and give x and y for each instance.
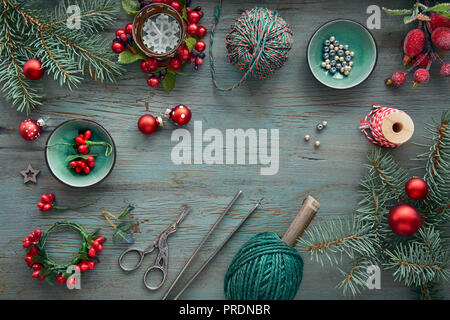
(291, 101)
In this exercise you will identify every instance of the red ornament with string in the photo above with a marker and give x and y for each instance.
(416, 188)
(180, 114)
(148, 124)
(31, 129)
(404, 220)
(33, 69)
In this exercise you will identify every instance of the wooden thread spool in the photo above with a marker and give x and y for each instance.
(387, 127)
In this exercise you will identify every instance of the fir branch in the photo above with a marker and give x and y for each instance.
(355, 280)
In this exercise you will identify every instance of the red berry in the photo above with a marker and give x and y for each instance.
(153, 82)
(183, 54)
(41, 278)
(60, 279)
(124, 38)
(175, 63)
(35, 274)
(87, 134)
(421, 76)
(194, 17)
(441, 38)
(445, 69)
(191, 59)
(26, 243)
(82, 148)
(90, 159)
(177, 5)
(91, 265)
(38, 233)
(47, 207)
(37, 266)
(95, 244)
(32, 237)
(86, 170)
(152, 64)
(397, 79)
(51, 196)
(200, 46)
(438, 21)
(100, 239)
(83, 266)
(198, 61)
(34, 251)
(92, 253)
(129, 28)
(201, 32)
(73, 164)
(99, 248)
(78, 169)
(118, 47)
(40, 205)
(423, 58)
(188, 10)
(91, 164)
(414, 42)
(144, 67)
(192, 29)
(45, 199)
(119, 32)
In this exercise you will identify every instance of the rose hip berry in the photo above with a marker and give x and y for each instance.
(421, 76)
(441, 38)
(413, 44)
(445, 69)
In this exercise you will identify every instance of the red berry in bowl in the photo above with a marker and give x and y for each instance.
(87, 134)
(175, 63)
(421, 76)
(441, 38)
(192, 29)
(129, 28)
(445, 69)
(153, 82)
(201, 32)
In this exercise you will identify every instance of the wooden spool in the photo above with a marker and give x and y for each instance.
(307, 212)
(397, 128)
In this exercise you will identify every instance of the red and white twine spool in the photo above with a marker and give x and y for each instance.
(387, 127)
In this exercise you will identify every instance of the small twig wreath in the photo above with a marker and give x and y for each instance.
(44, 268)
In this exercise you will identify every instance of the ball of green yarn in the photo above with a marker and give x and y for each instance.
(264, 268)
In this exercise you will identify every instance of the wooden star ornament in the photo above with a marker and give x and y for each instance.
(29, 174)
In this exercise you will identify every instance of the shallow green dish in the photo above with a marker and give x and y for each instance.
(360, 41)
(55, 156)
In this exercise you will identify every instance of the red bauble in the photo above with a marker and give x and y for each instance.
(177, 6)
(201, 32)
(118, 47)
(416, 188)
(192, 29)
(175, 64)
(30, 129)
(404, 219)
(194, 17)
(33, 69)
(129, 28)
(180, 115)
(200, 46)
(148, 124)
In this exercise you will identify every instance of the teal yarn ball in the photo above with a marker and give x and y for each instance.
(264, 268)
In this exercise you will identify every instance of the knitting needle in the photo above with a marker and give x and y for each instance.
(237, 195)
(217, 250)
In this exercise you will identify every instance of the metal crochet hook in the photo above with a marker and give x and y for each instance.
(237, 195)
(161, 262)
(203, 266)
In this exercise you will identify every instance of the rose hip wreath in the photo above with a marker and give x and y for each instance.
(44, 268)
(165, 36)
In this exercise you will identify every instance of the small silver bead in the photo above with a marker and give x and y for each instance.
(320, 127)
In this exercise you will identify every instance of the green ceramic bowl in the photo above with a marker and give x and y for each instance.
(55, 156)
(360, 41)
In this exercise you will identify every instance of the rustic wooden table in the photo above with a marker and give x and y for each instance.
(291, 100)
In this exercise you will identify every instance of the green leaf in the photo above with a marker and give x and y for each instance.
(79, 156)
(131, 7)
(184, 13)
(169, 81)
(125, 212)
(397, 12)
(190, 43)
(93, 235)
(127, 57)
(439, 8)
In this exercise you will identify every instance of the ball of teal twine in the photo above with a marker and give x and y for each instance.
(258, 43)
(264, 268)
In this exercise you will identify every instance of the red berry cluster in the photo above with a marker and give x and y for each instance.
(32, 238)
(81, 142)
(96, 247)
(123, 39)
(83, 165)
(46, 202)
(435, 32)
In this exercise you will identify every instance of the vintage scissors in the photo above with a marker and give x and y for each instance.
(161, 261)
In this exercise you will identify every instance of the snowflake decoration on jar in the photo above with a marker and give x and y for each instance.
(161, 33)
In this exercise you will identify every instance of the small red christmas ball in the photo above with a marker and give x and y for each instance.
(416, 188)
(192, 29)
(194, 17)
(404, 220)
(177, 5)
(120, 32)
(148, 124)
(180, 115)
(129, 28)
(200, 46)
(33, 69)
(175, 63)
(153, 82)
(30, 129)
(201, 32)
(117, 47)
